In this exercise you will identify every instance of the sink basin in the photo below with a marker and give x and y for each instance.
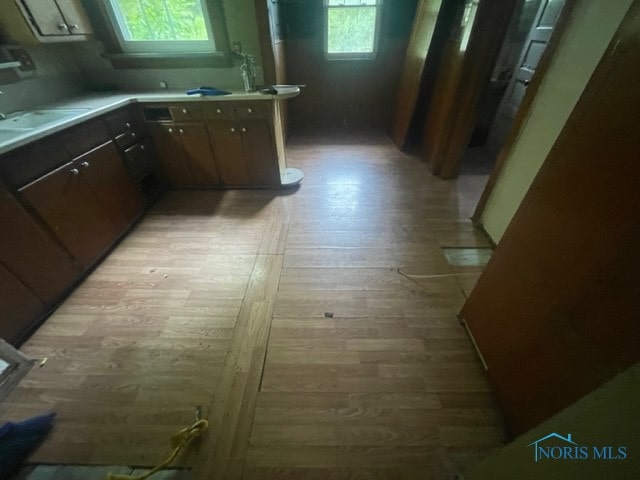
(37, 118)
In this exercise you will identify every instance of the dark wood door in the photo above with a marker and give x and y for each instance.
(195, 144)
(411, 77)
(19, 307)
(172, 156)
(555, 314)
(28, 251)
(260, 154)
(106, 174)
(546, 19)
(66, 203)
(226, 141)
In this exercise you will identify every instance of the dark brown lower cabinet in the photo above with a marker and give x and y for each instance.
(18, 307)
(245, 152)
(229, 152)
(87, 203)
(28, 251)
(185, 152)
(108, 178)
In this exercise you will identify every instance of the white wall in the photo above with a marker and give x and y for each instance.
(591, 27)
(607, 416)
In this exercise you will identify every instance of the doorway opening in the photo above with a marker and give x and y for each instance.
(525, 42)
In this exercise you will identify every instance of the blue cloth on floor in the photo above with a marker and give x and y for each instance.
(18, 439)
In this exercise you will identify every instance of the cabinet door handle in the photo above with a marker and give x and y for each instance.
(218, 110)
(142, 147)
(181, 131)
(244, 130)
(128, 125)
(185, 111)
(170, 130)
(250, 110)
(85, 164)
(233, 130)
(63, 26)
(74, 172)
(74, 27)
(133, 134)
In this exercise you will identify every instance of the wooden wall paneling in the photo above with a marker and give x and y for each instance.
(344, 95)
(555, 313)
(411, 78)
(463, 78)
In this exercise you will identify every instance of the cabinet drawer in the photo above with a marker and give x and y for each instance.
(28, 164)
(139, 159)
(122, 122)
(85, 137)
(186, 112)
(128, 138)
(251, 111)
(220, 111)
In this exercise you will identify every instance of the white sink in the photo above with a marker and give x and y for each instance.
(37, 118)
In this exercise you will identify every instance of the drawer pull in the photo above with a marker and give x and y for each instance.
(128, 125)
(74, 27)
(244, 130)
(233, 130)
(170, 130)
(184, 110)
(181, 131)
(218, 110)
(74, 172)
(133, 134)
(250, 110)
(85, 164)
(62, 26)
(142, 147)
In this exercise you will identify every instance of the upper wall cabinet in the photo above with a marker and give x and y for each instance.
(38, 21)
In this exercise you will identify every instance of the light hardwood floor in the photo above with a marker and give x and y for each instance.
(316, 327)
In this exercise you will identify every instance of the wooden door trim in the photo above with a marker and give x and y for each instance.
(266, 44)
(524, 109)
(487, 36)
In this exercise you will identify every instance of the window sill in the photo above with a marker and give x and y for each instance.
(169, 60)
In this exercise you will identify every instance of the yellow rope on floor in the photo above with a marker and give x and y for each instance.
(178, 442)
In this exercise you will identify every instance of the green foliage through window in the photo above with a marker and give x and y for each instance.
(161, 20)
(351, 30)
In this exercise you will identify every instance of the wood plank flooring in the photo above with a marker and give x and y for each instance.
(316, 327)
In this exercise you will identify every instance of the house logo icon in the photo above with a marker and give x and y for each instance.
(556, 447)
(556, 452)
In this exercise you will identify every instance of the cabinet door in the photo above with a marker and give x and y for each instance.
(75, 17)
(195, 144)
(226, 141)
(47, 17)
(171, 154)
(66, 203)
(27, 250)
(260, 154)
(19, 308)
(106, 174)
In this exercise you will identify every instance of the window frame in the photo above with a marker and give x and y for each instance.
(118, 23)
(105, 29)
(352, 55)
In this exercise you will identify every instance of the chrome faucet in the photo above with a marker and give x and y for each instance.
(248, 73)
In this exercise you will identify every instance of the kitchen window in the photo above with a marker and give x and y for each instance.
(162, 26)
(352, 29)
